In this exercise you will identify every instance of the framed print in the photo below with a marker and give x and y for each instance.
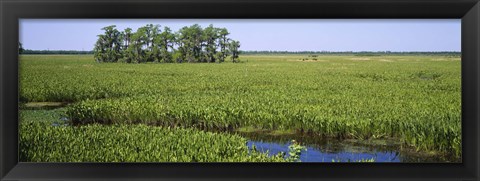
(152, 90)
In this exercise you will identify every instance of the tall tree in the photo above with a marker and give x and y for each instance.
(233, 47)
(179, 55)
(165, 41)
(211, 34)
(223, 43)
(20, 48)
(152, 51)
(190, 42)
(136, 50)
(127, 36)
(100, 49)
(108, 46)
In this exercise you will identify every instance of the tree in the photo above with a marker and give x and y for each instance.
(190, 43)
(108, 46)
(211, 34)
(136, 50)
(165, 41)
(179, 55)
(152, 50)
(127, 36)
(20, 48)
(233, 48)
(223, 43)
(100, 52)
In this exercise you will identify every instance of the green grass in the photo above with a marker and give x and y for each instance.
(414, 99)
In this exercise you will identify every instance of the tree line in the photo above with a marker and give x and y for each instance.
(55, 52)
(150, 43)
(357, 53)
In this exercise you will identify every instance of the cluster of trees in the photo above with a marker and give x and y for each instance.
(152, 44)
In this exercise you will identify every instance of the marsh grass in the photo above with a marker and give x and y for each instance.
(412, 99)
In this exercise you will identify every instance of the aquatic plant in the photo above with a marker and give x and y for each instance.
(360, 160)
(294, 151)
(42, 142)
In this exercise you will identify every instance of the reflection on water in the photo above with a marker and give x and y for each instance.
(317, 155)
(326, 150)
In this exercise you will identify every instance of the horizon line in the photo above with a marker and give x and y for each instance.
(320, 51)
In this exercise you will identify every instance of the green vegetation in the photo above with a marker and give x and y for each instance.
(295, 150)
(42, 142)
(412, 99)
(361, 160)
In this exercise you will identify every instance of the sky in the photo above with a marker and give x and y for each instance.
(265, 34)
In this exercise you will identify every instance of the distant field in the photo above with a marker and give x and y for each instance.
(413, 99)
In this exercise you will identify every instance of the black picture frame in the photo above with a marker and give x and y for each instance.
(466, 10)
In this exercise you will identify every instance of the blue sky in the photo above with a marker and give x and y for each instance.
(264, 34)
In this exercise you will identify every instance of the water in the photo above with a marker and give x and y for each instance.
(63, 121)
(313, 154)
(42, 105)
(326, 150)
